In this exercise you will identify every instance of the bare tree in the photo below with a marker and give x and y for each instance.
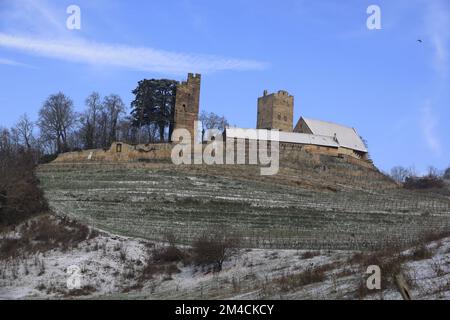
(56, 119)
(25, 129)
(114, 107)
(447, 174)
(399, 174)
(212, 121)
(434, 172)
(89, 121)
(214, 247)
(109, 118)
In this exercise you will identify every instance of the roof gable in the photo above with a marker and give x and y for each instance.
(346, 136)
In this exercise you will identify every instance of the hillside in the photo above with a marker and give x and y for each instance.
(114, 267)
(312, 203)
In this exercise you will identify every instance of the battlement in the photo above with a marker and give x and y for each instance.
(192, 78)
(280, 93)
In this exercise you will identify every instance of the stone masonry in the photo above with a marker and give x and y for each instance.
(276, 111)
(187, 103)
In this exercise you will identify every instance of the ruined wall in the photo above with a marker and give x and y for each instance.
(120, 152)
(276, 111)
(187, 103)
(161, 152)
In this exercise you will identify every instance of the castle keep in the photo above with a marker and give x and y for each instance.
(276, 111)
(187, 103)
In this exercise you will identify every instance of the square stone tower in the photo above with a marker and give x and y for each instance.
(276, 111)
(187, 103)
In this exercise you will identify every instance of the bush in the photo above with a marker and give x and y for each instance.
(421, 252)
(447, 174)
(309, 276)
(20, 196)
(310, 254)
(44, 234)
(427, 182)
(168, 254)
(47, 158)
(213, 248)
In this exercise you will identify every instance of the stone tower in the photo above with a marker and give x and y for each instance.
(276, 111)
(187, 103)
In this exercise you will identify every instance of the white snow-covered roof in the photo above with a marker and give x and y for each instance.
(287, 137)
(347, 137)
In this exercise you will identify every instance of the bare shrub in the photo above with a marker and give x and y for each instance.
(390, 261)
(152, 268)
(44, 234)
(427, 182)
(20, 196)
(421, 252)
(437, 267)
(84, 291)
(361, 290)
(213, 248)
(309, 276)
(310, 254)
(123, 254)
(447, 174)
(434, 235)
(168, 254)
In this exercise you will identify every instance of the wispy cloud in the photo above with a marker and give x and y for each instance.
(31, 16)
(428, 125)
(13, 63)
(142, 59)
(437, 22)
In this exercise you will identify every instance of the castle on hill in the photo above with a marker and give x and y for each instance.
(275, 111)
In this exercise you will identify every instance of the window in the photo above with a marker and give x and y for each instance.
(119, 148)
(279, 116)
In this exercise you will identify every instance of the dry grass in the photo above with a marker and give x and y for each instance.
(310, 254)
(309, 276)
(44, 234)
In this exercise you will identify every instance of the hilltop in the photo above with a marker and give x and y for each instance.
(314, 202)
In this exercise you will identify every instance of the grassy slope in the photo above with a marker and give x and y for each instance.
(309, 204)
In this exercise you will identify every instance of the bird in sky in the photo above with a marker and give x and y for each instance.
(419, 40)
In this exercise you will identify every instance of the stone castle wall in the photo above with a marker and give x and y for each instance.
(187, 103)
(276, 111)
(161, 152)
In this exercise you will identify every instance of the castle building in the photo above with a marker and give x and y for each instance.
(276, 111)
(187, 103)
(348, 138)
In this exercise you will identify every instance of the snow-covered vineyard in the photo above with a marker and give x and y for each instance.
(119, 268)
(306, 206)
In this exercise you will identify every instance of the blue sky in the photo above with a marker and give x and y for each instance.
(391, 88)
